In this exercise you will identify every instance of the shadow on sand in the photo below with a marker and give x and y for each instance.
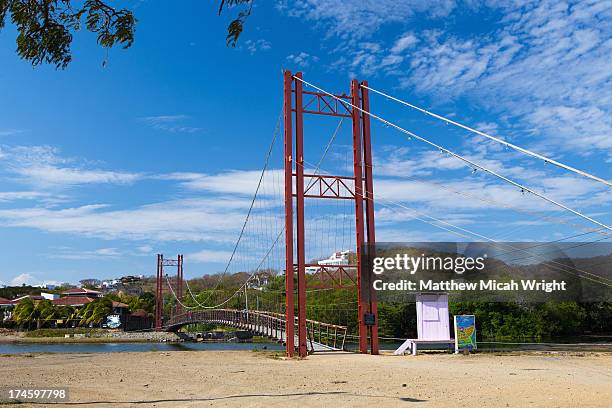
(170, 400)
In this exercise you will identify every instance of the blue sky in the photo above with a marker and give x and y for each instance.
(159, 151)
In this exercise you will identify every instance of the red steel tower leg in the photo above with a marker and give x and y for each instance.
(319, 103)
(359, 228)
(299, 209)
(179, 283)
(159, 303)
(369, 202)
(289, 275)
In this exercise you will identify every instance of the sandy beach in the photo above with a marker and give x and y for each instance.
(244, 378)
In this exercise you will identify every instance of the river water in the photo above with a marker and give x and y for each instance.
(577, 345)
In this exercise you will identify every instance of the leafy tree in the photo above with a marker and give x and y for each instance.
(12, 292)
(564, 318)
(46, 27)
(236, 27)
(146, 301)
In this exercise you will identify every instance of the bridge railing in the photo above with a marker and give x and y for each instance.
(331, 335)
(269, 324)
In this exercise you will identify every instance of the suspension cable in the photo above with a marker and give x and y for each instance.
(464, 159)
(329, 144)
(246, 220)
(174, 294)
(250, 275)
(317, 169)
(511, 207)
(496, 139)
(493, 241)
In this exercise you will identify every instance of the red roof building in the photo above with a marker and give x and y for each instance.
(5, 302)
(74, 301)
(82, 292)
(140, 313)
(35, 298)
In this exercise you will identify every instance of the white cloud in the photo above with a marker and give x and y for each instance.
(43, 167)
(233, 181)
(360, 19)
(254, 46)
(430, 181)
(145, 249)
(22, 195)
(547, 66)
(10, 132)
(24, 278)
(76, 254)
(215, 219)
(208, 255)
(303, 59)
(406, 41)
(49, 175)
(170, 123)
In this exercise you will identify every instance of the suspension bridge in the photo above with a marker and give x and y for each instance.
(306, 253)
(321, 336)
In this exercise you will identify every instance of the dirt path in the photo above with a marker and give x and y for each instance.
(239, 379)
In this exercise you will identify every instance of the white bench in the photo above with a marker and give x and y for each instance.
(412, 344)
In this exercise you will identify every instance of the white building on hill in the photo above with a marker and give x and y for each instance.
(337, 258)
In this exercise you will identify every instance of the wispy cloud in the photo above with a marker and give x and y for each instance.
(170, 123)
(253, 46)
(353, 20)
(22, 195)
(43, 167)
(214, 219)
(303, 59)
(242, 182)
(76, 254)
(404, 42)
(10, 132)
(209, 255)
(545, 67)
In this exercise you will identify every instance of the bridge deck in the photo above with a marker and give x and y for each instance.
(271, 325)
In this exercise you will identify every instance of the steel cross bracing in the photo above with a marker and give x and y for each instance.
(357, 187)
(159, 291)
(324, 186)
(318, 103)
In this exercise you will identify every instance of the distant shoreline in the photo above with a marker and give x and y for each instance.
(69, 340)
(110, 337)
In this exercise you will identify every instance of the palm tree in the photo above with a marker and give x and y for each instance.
(96, 311)
(67, 313)
(25, 312)
(46, 312)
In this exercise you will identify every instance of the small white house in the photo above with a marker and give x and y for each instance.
(49, 296)
(336, 259)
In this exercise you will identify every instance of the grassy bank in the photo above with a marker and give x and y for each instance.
(50, 333)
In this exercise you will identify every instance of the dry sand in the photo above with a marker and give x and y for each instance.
(246, 379)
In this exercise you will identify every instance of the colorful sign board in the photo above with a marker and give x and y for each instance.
(113, 321)
(465, 332)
